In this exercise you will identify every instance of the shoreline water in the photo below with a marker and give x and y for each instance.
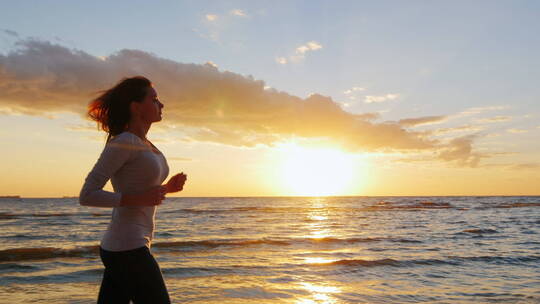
(289, 249)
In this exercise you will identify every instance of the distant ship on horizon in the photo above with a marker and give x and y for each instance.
(10, 196)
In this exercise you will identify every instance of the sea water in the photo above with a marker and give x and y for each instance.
(288, 250)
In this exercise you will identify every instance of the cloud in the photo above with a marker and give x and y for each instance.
(206, 104)
(478, 110)
(494, 119)
(516, 131)
(212, 64)
(368, 116)
(300, 53)
(521, 166)
(238, 12)
(427, 120)
(353, 89)
(82, 127)
(465, 128)
(281, 60)
(525, 166)
(461, 153)
(10, 33)
(211, 17)
(310, 46)
(382, 98)
(458, 152)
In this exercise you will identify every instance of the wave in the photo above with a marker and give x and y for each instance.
(257, 209)
(25, 254)
(384, 205)
(364, 263)
(274, 242)
(452, 260)
(66, 277)
(517, 205)
(217, 243)
(93, 274)
(479, 231)
(9, 267)
(7, 215)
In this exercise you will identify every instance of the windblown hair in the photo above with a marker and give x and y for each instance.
(111, 109)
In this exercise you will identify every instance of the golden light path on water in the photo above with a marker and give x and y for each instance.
(318, 229)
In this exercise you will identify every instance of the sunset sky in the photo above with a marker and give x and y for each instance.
(281, 98)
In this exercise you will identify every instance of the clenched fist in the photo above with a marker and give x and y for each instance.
(176, 183)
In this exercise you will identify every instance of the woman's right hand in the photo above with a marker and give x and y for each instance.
(151, 197)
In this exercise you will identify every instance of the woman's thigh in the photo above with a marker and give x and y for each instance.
(147, 281)
(138, 275)
(111, 291)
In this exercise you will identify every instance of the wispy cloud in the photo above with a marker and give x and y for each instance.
(238, 12)
(300, 53)
(499, 118)
(516, 131)
(478, 110)
(419, 121)
(310, 46)
(82, 127)
(381, 98)
(525, 166)
(281, 60)
(214, 25)
(353, 90)
(10, 33)
(208, 105)
(211, 17)
(465, 128)
(459, 152)
(515, 166)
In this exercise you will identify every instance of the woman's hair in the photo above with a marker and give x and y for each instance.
(111, 109)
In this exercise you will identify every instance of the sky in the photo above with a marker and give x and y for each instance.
(281, 98)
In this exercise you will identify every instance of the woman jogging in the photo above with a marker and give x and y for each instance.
(137, 170)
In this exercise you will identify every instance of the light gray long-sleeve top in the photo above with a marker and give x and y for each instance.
(133, 167)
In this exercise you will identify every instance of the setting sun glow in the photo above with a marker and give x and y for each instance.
(317, 171)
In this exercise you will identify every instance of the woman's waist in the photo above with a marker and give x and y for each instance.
(133, 224)
(134, 213)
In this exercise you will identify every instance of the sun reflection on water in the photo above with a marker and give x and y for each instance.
(318, 228)
(318, 260)
(320, 293)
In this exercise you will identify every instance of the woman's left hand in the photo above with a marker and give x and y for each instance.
(176, 183)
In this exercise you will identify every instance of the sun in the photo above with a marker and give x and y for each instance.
(317, 171)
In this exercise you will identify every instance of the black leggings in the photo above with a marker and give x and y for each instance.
(131, 275)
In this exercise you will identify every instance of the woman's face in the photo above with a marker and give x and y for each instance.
(150, 107)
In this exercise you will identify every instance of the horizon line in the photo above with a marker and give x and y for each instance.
(296, 196)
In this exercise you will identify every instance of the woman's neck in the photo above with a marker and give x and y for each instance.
(139, 129)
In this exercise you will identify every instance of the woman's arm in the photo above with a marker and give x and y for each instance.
(115, 154)
(153, 196)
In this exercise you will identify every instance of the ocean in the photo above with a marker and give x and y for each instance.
(288, 250)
